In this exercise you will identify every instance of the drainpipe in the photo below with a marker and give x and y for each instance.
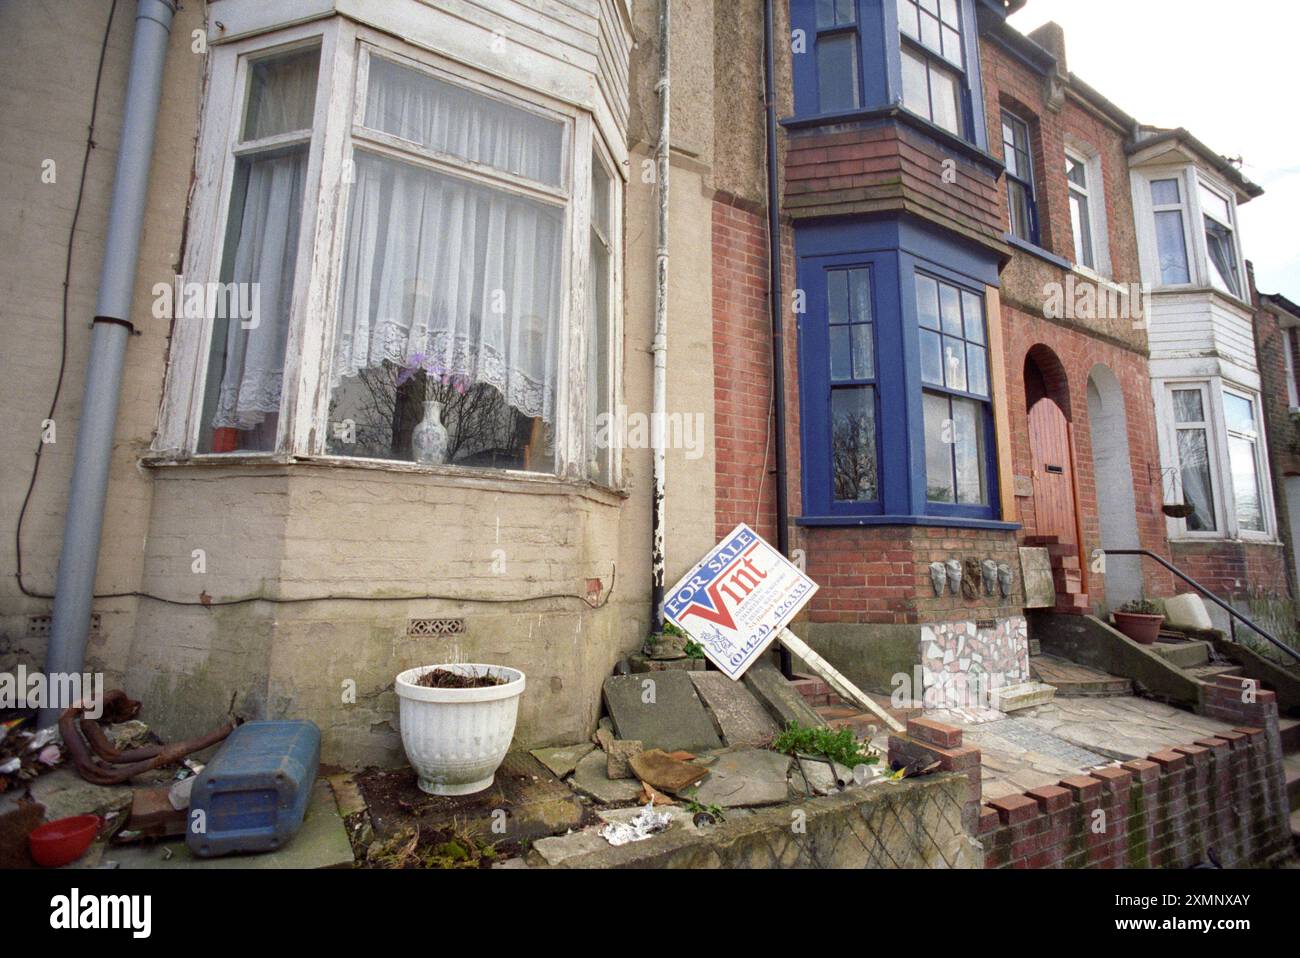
(776, 295)
(660, 345)
(111, 331)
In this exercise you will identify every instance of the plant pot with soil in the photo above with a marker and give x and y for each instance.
(457, 722)
(1140, 620)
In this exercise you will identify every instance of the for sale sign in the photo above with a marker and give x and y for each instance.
(738, 599)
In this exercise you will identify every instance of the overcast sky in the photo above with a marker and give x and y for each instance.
(1227, 72)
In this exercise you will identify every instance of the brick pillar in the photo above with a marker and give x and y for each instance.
(927, 742)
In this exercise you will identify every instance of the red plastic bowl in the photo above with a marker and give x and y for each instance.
(63, 840)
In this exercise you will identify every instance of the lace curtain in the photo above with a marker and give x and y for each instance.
(444, 274)
(253, 370)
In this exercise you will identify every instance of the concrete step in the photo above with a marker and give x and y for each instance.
(1212, 670)
(1185, 655)
(1289, 729)
(1077, 681)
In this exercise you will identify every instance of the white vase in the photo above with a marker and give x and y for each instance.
(429, 440)
(456, 739)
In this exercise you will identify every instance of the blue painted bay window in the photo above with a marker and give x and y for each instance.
(895, 398)
(856, 56)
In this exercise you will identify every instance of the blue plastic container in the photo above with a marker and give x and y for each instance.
(254, 793)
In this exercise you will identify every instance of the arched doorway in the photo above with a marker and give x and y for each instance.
(1113, 472)
(1047, 399)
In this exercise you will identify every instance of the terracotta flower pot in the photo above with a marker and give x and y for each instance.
(1142, 629)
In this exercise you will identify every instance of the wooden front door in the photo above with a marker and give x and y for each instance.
(1049, 445)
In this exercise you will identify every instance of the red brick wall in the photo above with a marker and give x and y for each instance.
(742, 370)
(1078, 353)
(1235, 569)
(881, 574)
(1008, 84)
(1223, 795)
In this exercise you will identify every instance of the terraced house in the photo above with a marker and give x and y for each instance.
(433, 334)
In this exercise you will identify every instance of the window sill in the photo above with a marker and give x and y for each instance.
(461, 477)
(1033, 249)
(1212, 291)
(951, 522)
(1093, 276)
(1261, 539)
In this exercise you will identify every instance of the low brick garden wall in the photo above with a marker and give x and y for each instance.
(1223, 797)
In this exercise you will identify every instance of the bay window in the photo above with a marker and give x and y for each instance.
(932, 61)
(855, 56)
(433, 253)
(1169, 203)
(836, 45)
(954, 371)
(896, 399)
(1215, 451)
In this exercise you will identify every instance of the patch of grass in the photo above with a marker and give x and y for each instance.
(692, 648)
(837, 745)
(694, 807)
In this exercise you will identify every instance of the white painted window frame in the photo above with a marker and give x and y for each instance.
(1212, 391)
(1288, 357)
(1145, 210)
(1190, 178)
(1203, 253)
(1095, 195)
(345, 48)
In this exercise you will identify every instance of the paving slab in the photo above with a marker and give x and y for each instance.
(661, 711)
(746, 777)
(781, 698)
(739, 717)
(321, 842)
(553, 851)
(591, 779)
(563, 760)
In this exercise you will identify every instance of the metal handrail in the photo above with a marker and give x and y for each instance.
(1233, 613)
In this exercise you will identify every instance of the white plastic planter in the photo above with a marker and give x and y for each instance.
(456, 739)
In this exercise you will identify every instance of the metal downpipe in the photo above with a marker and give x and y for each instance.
(83, 523)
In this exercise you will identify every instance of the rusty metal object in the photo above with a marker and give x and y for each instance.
(100, 763)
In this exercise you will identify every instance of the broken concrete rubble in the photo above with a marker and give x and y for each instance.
(563, 760)
(665, 773)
